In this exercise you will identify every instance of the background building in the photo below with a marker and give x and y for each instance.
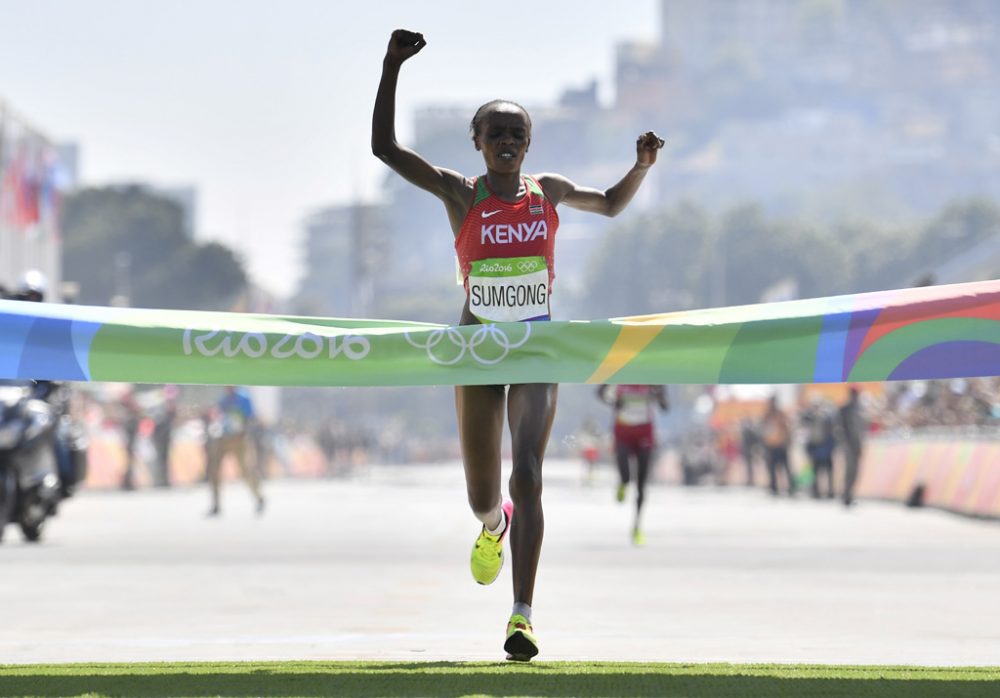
(345, 262)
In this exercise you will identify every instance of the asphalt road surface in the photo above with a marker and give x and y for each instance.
(376, 567)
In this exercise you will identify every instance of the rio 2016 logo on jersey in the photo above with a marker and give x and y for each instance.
(503, 234)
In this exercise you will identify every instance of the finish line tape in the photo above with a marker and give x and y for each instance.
(920, 333)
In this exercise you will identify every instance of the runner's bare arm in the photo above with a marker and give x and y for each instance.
(443, 183)
(602, 394)
(661, 397)
(612, 201)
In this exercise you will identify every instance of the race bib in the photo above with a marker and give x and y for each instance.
(233, 423)
(509, 289)
(634, 411)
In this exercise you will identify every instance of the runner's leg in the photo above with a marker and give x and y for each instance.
(622, 452)
(216, 453)
(530, 411)
(248, 468)
(480, 427)
(644, 457)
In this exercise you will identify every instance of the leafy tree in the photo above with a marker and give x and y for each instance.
(640, 269)
(959, 226)
(127, 240)
(684, 257)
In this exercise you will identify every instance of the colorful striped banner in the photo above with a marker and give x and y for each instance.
(920, 333)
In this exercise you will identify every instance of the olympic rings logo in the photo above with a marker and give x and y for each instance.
(485, 338)
(528, 265)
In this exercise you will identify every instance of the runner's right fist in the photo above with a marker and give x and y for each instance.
(404, 44)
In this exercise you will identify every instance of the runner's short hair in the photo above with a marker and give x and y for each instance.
(490, 106)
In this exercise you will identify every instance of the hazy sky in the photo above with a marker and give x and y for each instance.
(265, 106)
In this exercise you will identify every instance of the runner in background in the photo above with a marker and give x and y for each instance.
(236, 419)
(635, 438)
(589, 440)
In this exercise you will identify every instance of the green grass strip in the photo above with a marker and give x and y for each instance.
(453, 679)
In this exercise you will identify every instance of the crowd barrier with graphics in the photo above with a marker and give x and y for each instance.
(957, 472)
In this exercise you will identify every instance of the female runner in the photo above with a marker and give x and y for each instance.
(504, 225)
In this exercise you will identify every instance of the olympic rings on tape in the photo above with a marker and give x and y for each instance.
(483, 333)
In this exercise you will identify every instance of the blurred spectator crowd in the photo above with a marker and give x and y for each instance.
(960, 402)
(163, 435)
(729, 451)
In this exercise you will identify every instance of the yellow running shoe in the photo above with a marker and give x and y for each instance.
(521, 644)
(638, 538)
(487, 553)
(620, 493)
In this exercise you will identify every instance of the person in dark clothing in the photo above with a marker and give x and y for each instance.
(776, 435)
(163, 434)
(749, 443)
(821, 442)
(131, 416)
(853, 426)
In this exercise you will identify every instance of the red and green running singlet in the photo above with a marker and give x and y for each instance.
(505, 252)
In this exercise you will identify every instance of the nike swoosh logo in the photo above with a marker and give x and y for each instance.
(487, 214)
